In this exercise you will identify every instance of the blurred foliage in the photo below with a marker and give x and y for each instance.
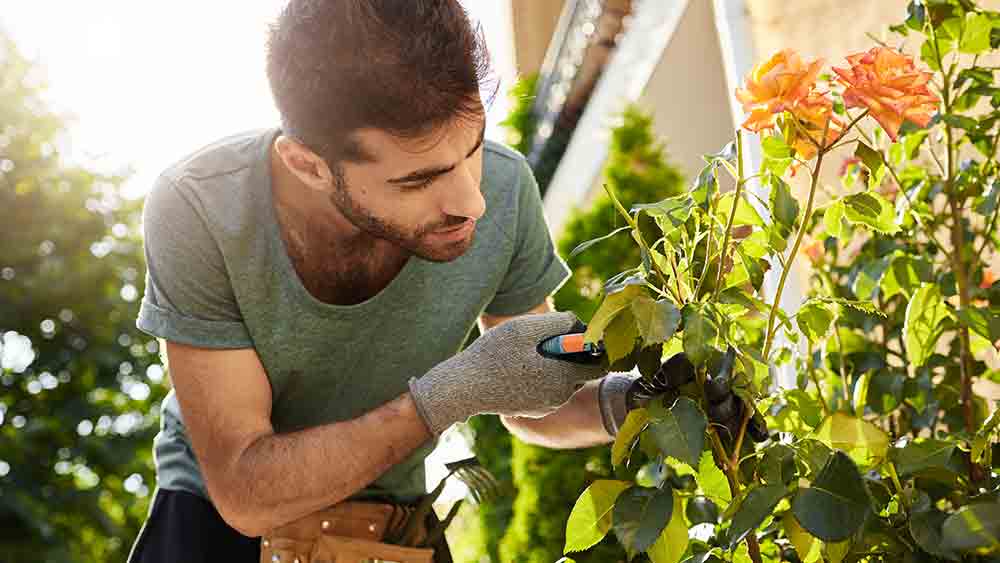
(638, 172)
(529, 527)
(77, 424)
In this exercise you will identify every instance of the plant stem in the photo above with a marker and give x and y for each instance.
(732, 212)
(958, 247)
(899, 488)
(795, 248)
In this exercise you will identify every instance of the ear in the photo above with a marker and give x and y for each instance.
(303, 163)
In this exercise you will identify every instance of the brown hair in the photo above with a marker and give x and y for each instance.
(402, 66)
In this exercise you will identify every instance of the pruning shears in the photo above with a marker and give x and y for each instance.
(572, 347)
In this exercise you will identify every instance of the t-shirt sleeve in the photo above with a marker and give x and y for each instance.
(535, 271)
(189, 296)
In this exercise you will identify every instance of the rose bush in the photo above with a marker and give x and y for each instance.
(881, 449)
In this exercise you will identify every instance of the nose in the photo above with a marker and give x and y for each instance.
(463, 197)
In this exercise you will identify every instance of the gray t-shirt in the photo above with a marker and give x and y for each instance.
(219, 277)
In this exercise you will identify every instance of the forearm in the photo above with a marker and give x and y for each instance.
(576, 424)
(281, 477)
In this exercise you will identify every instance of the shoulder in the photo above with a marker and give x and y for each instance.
(225, 156)
(214, 184)
(503, 165)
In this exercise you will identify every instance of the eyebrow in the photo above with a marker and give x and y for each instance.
(434, 171)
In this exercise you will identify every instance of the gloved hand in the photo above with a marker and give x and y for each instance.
(620, 393)
(503, 373)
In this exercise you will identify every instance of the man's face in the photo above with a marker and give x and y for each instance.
(423, 194)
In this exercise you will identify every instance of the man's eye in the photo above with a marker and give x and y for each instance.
(419, 185)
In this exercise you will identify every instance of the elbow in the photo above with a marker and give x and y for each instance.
(237, 509)
(242, 518)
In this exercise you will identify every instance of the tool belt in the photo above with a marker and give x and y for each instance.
(352, 532)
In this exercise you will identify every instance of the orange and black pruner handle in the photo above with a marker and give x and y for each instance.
(572, 348)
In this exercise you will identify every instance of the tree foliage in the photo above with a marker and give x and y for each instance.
(76, 425)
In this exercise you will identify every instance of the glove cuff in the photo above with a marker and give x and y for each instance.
(611, 400)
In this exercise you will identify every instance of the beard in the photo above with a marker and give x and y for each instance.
(415, 240)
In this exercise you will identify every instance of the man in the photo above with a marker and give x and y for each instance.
(315, 283)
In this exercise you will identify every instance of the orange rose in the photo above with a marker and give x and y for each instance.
(890, 86)
(989, 278)
(774, 86)
(814, 251)
(812, 113)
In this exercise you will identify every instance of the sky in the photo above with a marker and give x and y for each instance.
(148, 82)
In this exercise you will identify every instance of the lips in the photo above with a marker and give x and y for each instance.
(456, 232)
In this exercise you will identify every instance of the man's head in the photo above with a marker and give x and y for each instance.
(381, 110)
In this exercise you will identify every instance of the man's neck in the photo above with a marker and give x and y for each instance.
(337, 262)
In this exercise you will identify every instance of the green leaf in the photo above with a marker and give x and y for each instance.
(635, 422)
(680, 431)
(837, 551)
(835, 506)
(866, 443)
(673, 542)
(872, 210)
(670, 213)
(777, 467)
(784, 206)
(905, 274)
(986, 204)
(815, 319)
(757, 504)
(917, 456)
(800, 413)
(609, 309)
(745, 213)
(712, 481)
(925, 526)
(705, 187)
(916, 15)
(976, 36)
(960, 121)
(620, 336)
(777, 155)
(871, 158)
(590, 519)
(984, 322)
(699, 333)
(833, 219)
(805, 545)
(868, 280)
(975, 527)
(984, 435)
(863, 306)
(922, 327)
(640, 515)
(657, 321)
(861, 393)
(927, 52)
(584, 246)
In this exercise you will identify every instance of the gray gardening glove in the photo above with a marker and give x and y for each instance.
(502, 373)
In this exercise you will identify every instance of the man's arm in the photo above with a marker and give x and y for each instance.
(576, 424)
(260, 480)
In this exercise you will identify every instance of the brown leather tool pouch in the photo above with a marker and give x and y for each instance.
(349, 532)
